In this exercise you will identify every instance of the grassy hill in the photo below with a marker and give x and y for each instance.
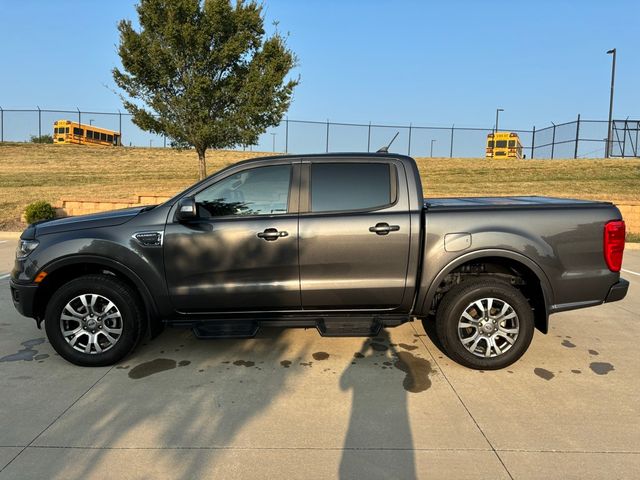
(30, 172)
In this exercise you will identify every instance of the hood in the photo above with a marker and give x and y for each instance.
(95, 220)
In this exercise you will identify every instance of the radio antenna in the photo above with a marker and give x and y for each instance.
(385, 149)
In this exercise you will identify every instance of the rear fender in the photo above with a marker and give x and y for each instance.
(542, 318)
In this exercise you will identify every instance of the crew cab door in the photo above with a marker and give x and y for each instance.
(241, 251)
(354, 234)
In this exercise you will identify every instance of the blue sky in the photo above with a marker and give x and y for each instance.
(424, 62)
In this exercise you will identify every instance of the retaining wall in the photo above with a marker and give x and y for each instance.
(70, 207)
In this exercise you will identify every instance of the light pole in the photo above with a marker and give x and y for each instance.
(607, 151)
(431, 152)
(273, 147)
(498, 110)
(91, 121)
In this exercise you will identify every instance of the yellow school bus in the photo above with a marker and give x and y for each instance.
(503, 145)
(66, 131)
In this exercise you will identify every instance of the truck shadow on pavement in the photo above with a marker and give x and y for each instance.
(188, 404)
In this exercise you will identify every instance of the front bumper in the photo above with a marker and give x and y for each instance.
(618, 291)
(24, 296)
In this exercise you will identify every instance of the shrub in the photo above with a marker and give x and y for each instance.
(41, 139)
(39, 210)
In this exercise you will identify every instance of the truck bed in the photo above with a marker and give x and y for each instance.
(529, 202)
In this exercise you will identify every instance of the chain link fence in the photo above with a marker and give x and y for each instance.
(587, 139)
(575, 139)
(624, 138)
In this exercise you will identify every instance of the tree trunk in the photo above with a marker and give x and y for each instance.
(202, 165)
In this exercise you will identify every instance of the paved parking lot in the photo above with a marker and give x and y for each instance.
(291, 404)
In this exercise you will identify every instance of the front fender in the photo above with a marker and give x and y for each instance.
(151, 301)
(142, 266)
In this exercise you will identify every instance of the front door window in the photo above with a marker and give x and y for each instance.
(258, 191)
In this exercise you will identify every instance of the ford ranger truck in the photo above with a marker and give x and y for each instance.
(344, 243)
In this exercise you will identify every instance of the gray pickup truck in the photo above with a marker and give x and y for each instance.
(344, 243)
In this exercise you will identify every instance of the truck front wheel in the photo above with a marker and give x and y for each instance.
(484, 323)
(93, 320)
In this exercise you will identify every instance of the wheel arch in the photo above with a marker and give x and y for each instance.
(67, 268)
(540, 288)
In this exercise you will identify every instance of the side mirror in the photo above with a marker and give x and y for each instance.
(187, 209)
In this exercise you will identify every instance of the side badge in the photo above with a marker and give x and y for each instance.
(149, 239)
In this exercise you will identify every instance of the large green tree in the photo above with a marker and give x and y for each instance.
(204, 73)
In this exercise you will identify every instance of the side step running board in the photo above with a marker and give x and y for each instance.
(329, 326)
(234, 329)
(357, 326)
(348, 327)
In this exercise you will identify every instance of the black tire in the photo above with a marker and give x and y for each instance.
(125, 300)
(459, 298)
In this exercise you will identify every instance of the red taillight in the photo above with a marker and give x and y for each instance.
(614, 244)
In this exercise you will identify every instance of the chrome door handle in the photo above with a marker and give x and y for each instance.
(384, 228)
(271, 234)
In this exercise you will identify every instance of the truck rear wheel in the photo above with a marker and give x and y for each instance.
(484, 323)
(94, 320)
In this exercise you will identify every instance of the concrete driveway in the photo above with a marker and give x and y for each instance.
(291, 404)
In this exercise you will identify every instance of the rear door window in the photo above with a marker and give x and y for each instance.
(338, 187)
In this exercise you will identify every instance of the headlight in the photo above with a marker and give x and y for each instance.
(25, 247)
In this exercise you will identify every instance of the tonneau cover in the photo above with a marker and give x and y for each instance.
(466, 203)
